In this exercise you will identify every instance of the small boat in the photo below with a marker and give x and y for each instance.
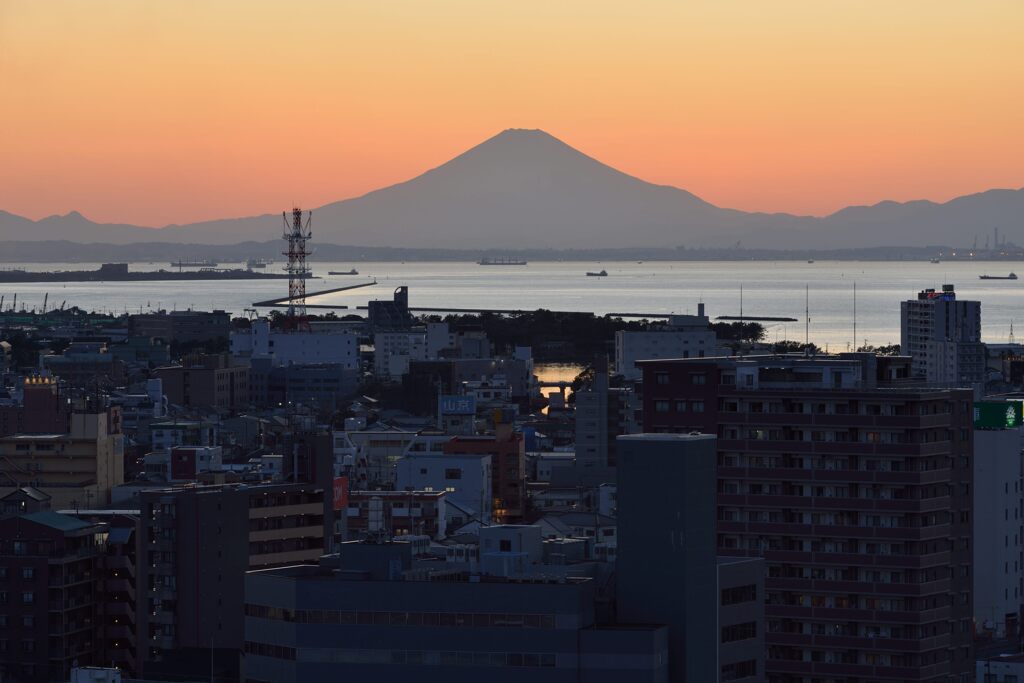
(1011, 276)
(935, 260)
(600, 273)
(500, 262)
(257, 263)
(810, 260)
(343, 272)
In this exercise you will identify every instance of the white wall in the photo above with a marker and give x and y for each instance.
(427, 472)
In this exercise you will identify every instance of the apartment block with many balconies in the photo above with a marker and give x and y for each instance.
(856, 489)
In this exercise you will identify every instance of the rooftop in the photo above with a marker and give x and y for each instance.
(57, 521)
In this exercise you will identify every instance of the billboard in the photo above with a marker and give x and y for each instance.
(340, 493)
(998, 414)
(458, 405)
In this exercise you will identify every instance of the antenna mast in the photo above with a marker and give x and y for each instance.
(296, 235)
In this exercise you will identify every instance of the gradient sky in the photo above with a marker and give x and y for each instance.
(161, 112)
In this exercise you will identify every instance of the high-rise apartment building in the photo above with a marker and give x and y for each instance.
(194, 545)
(856, 489)
(943, 337)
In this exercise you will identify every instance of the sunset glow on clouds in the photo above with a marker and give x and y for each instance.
(154, 113)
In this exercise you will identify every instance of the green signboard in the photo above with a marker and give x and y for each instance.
(998, 414)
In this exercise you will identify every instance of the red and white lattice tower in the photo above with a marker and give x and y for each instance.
(296, 235)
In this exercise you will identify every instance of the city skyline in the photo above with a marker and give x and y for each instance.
(159, 114)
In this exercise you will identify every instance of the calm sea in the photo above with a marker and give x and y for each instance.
(768, 288)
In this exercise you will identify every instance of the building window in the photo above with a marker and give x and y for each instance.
(661, 406)
(680, 406)
(28, 573)
(453, 473)
(698, 379)
(661, 378)
(734, 596)
(733, 672)
(28, 621)
(736, 632)
(28, 598)
(697, 406)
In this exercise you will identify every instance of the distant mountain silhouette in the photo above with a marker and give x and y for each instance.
(527, 189)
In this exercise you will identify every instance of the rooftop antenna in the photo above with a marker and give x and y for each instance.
(741, 301)
(1011, 332)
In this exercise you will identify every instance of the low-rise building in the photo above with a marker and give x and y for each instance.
(208, 380)
(466, 479)
(77, 468)
(301, 347)
(682, 336)
(397, 513)
(371, 613)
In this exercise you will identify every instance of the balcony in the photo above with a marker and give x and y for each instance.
(119, 608)
(832, 476)
(162, 642)
(120, 586)
(286, 557)
(859, 587)
(840, 614)
(286, 510)
(119, 631)
(312, 531)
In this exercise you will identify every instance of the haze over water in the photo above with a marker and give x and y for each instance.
(769, 289)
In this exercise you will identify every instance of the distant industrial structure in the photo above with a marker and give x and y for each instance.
(296, 235)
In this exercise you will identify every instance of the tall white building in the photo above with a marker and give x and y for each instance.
(943, 337)
(683, 336)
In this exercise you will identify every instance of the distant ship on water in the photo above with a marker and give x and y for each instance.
(258, 263)
(501, 262)
(201, 263)
(1011, 276)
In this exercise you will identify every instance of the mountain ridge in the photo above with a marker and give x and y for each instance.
(524, 188)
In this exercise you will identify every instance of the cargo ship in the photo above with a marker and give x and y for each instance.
(203, 263)
(257, 263)
(1011, 276)
(500, 262)
(118, 272)
(343, 272)
(599, 273)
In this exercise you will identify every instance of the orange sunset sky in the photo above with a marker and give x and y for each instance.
(161, 112)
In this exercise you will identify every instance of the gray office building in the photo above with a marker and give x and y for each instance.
(373, 613)
(667, 568)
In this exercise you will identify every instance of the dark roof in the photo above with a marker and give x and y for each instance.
(57, 521)
(30, 491)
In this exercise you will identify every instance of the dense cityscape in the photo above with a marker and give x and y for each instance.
(505, 342)
(289, 496)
